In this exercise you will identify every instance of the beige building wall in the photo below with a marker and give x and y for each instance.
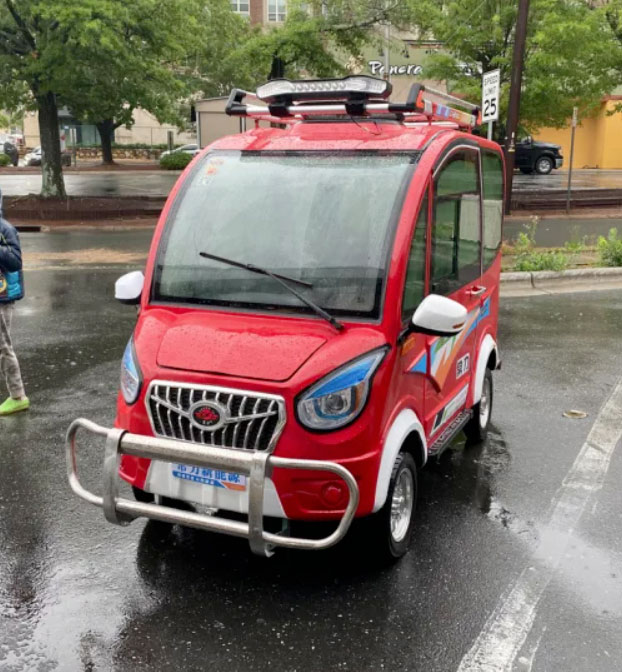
(213, 123)
(146, 130)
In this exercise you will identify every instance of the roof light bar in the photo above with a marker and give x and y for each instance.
(358, 87)
(355, 96)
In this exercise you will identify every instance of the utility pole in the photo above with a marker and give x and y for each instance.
(520, 36)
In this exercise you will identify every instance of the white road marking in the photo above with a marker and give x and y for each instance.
(505, 631)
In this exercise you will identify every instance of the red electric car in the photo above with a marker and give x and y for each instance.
(318, 317)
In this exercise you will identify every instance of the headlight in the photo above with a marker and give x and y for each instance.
(131, 377)
(337, 399)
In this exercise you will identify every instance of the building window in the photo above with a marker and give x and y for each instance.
(240, 6)
(277, 9)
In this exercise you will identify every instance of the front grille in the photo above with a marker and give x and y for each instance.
(253, 421)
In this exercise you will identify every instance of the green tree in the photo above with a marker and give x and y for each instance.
(100, 57)
(28, 33)
(570, 58)
(320, 38)
(126, 55)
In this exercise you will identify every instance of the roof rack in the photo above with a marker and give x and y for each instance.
(286, 101)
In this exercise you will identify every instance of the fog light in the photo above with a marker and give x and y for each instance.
(333, 494)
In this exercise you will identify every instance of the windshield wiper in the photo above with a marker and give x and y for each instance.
(281, 279)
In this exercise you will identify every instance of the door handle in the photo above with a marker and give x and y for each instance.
(476, 290)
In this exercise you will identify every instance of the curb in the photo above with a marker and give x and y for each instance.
(557, 282)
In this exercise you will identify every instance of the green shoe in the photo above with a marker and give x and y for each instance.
(11, 406)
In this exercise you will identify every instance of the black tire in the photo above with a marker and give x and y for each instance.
(544, 165)
(476, 429)
(526, 171)
(380, 537)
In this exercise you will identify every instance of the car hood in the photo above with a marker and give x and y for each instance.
(232, 347)
(545, 145)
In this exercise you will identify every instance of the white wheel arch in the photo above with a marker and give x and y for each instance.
(487, 347)
(404, 424)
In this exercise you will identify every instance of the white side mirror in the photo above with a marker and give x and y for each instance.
(129, 287)
(439, 316)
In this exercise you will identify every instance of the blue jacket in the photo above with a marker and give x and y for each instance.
(11, 276)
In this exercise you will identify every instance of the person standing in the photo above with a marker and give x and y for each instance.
(11, 290)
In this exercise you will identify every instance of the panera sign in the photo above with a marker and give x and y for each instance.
(378, 68)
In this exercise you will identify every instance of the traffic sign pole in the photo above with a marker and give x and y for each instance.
(575, 112)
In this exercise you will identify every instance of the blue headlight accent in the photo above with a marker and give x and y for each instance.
(339, 398)
(356, 374)
(131, 377)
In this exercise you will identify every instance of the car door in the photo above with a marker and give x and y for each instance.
(455, 272)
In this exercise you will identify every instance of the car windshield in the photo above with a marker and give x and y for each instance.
(325, 219)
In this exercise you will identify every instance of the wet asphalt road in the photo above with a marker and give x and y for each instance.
(159, 182)
(79, 594)
(123, 183)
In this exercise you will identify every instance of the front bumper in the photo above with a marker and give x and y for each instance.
(255, 464)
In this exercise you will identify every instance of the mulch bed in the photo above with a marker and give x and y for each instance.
(81, 207)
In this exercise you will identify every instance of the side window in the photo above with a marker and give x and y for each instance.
(456, 227)
(415, 275)
(492, 172)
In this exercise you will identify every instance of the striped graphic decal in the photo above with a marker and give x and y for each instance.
(443, 350)
(451, 408)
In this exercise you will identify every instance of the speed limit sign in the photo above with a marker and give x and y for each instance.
(490, 95)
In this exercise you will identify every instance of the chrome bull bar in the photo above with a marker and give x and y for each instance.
(256, 465)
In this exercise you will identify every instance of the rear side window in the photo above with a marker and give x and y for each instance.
(415, 275)
(456, 227)
(492, 171)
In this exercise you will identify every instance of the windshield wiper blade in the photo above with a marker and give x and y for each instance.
(281, 279)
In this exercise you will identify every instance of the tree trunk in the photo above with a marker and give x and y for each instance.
(52, 182)
(106, 129)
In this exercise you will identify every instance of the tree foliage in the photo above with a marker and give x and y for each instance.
(125, 55)
(571, 53)
(320, 38)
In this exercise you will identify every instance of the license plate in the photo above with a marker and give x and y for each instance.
(213, 477)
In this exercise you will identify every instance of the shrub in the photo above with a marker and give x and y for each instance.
(5, 160)
(177, 161)
(542, 261)
(610, 249)
(529, 260)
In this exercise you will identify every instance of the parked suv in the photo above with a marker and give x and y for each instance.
(317, 319)
(540, 157)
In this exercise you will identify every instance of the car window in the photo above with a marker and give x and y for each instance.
(324, 218)
(414, 286)
(492, 174)
(456, 225)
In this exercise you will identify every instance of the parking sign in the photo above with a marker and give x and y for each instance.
(490, 95)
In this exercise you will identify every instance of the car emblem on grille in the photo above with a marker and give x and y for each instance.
(208, 415)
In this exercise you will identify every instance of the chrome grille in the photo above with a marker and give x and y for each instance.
(254, 421)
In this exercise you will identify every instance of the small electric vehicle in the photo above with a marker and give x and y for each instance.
(317, 319)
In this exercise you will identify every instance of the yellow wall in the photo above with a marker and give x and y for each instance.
(598, 140)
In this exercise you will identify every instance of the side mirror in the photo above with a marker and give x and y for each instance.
(439, 316)
(129, 287)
